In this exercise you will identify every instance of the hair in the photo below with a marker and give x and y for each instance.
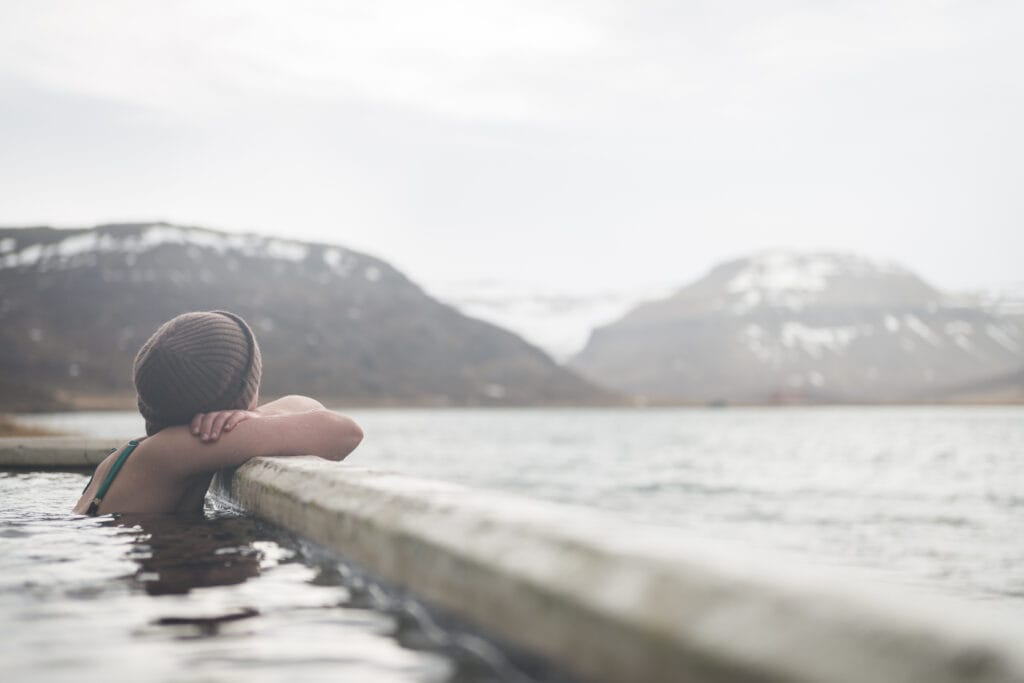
(196, 363)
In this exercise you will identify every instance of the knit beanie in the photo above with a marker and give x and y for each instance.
(196, 363)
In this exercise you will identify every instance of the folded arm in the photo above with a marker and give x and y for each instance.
(209, 426)
(316, 431)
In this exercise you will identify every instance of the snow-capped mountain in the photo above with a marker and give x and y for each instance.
(75, 305)
(783, 326)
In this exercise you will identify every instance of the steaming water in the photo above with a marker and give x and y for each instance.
(930, 496)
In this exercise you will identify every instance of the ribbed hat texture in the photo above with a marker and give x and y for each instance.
(196, 363)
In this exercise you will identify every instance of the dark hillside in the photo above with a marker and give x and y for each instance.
(76, 305)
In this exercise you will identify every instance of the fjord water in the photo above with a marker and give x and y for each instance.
(921, 495)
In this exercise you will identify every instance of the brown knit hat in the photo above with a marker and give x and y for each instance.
(196, 363)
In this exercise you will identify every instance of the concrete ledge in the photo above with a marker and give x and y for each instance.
(611, 601)
(53, 451)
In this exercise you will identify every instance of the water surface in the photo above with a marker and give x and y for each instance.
(927, 495)
(219, 597)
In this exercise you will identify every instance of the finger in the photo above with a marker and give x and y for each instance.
(218, 424)
(207, 425)
(236, 417)
(196, 424)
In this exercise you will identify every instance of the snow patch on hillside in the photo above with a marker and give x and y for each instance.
(1007, 338)
(780, 272)
(71, 250)
(1006, 300)
(287, 251)
(793, 280)
(772, 347)
(784, 344)
(816, 340)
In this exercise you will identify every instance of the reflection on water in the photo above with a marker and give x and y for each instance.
(215, 597)
(177, 554)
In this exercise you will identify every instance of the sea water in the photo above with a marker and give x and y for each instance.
(922, 495)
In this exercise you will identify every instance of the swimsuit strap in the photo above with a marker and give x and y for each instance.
(93, 475)
(94, 506)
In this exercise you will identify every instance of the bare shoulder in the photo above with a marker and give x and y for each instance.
(292, 403)
(319, 432)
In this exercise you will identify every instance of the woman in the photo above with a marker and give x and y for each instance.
(197, 380)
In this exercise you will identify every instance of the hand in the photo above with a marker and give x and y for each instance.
(209, 426)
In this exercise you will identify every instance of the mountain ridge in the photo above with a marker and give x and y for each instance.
(75, 304)
(822, 327)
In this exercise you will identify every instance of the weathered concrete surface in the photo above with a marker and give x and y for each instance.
(53, 451)
(617, 602)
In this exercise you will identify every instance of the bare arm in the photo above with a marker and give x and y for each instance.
(209, 426)
(319, 432)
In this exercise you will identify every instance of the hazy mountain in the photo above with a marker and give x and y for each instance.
(1006, 301)
(557, 321)
(75, 305)
(809, 327)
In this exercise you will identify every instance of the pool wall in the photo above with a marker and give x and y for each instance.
(54, 451)
(605, 599)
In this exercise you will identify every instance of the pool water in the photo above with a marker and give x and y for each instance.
(221, 597)
(926, 495)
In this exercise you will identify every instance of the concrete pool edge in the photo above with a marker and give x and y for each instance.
(54, 451)
(607, 600)
(613, 601)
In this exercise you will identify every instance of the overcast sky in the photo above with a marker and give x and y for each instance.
(593, 145)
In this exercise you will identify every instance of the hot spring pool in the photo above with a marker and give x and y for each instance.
(221, 597)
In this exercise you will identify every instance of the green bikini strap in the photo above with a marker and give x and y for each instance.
(93, 475)
(94, 506)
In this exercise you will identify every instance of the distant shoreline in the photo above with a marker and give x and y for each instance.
(10, 412)
(11, 427)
